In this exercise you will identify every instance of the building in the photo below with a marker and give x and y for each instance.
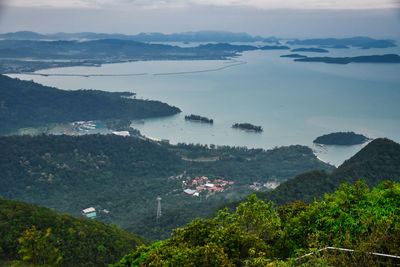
(89, 213)
(121, 133)
(189, 192)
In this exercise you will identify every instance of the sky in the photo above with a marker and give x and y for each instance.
(290, 18)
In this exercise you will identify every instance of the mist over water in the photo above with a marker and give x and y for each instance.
(294, 102)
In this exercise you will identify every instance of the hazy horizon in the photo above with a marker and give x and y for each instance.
(328, 18)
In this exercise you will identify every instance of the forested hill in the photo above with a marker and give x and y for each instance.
(376, 162)
(126, 174)
(79, 242)
(361, 220)
(27, 104)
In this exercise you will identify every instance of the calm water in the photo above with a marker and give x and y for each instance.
(294, 102)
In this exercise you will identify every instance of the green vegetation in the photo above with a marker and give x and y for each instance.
(248, 127)
(258, 235)
(125, 175)
(342, 139)
(28, 104)
(37, 236)
(199, 118)
(119, 125)
(378, 161)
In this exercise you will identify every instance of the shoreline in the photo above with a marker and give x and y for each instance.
(233, 63)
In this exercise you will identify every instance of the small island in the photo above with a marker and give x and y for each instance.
(342, 139)
(198, 118)
(248, 127)
(294, 56)
(310, 49)
(274, 47)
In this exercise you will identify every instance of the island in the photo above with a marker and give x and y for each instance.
(198, 118)
(275, 47)
(341, 139)
(361, 42)
(294, 56)
(45, 54)
(248, 127)
(388, 58)
(310, 49)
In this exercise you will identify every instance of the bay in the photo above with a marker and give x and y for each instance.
(294, 102)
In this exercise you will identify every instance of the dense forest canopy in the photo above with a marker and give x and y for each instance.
(375, 163)
(256, 234)
(67, 173)
(79, 242)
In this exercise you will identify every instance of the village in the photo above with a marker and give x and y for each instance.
(202, 184)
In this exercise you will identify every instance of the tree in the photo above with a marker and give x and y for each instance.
(37, 249)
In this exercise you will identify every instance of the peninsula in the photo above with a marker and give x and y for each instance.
(341, 139)
(29, 104)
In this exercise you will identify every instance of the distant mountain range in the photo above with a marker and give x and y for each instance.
(201, 36)
(361, 42)
(388, 58)
(23, 52)
(204, 36)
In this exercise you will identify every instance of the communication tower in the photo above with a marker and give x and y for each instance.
(158, 207)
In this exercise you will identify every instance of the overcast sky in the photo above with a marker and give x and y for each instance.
(291, 18)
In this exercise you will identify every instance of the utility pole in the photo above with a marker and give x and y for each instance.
(158, 207)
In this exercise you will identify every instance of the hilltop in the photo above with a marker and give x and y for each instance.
(376, 162)
(80, 242)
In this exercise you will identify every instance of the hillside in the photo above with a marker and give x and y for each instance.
(80, 242)
(126, 174)
(376, 162)
(256, 234)
(27, 104)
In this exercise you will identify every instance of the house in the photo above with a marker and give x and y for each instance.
(121, 133)
(89, 213)
(189, 192)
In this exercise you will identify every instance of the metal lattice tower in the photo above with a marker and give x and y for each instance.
(159, 207)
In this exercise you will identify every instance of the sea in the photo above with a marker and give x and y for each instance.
(294, 102)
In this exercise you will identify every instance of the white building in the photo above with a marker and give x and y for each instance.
(89, 213)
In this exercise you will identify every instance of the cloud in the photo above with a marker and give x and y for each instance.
(259, 4)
